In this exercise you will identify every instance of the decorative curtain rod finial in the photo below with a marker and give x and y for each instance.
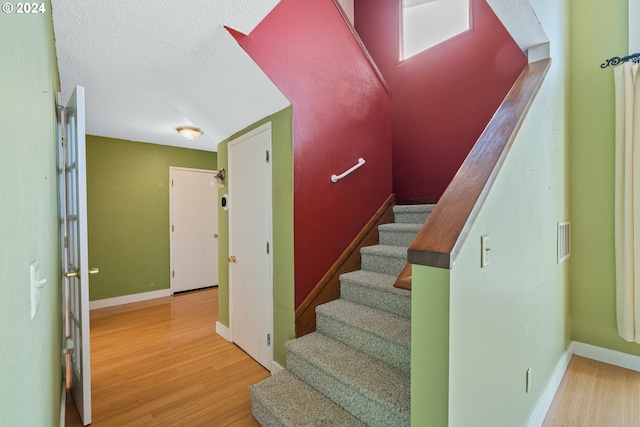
(617, 60)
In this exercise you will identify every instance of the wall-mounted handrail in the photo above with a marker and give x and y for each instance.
(336, 178)
(440, 238)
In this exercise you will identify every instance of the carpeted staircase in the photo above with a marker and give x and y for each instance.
(355, 369)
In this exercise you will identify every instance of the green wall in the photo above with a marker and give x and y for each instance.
(30, 353)
(598, 32)
(512, 315)
(128, 213)
(282, 204)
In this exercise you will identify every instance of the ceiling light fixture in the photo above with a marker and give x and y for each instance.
(189, 132)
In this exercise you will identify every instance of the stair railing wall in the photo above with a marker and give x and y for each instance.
(441, 237)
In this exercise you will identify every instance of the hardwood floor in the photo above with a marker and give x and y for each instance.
(596, 394)
(160, 363)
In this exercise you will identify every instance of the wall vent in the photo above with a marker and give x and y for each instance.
(564, 241)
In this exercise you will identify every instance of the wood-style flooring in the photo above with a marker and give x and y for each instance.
(160, 363)
(596, 394)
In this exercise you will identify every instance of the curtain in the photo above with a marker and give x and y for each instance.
(627, 200)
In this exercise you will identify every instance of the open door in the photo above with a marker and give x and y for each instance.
(74, 251)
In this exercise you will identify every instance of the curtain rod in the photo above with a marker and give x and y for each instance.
(617, 60)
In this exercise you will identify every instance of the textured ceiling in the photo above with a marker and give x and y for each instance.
(149, 66)
(521, 21)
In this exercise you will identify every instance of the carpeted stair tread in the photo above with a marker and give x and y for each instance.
(383, 258)
(382, 335)
(415, 214)
(371, 390)
(398, 234)
(285, 400)
(375, 290)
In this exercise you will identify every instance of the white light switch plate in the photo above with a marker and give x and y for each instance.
(484, 251)
(36, 284)
(34, 277)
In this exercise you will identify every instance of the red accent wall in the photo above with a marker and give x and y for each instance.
(341, 112)
(444, 97)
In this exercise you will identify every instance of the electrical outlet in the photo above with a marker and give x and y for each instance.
(484, 250)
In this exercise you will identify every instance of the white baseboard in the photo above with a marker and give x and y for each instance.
(605, 355)
(223, 331)
(540, 412)
(612, 357)
(127, 299)
(276, 368)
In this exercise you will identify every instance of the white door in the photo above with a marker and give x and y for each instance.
(74, 251)
(194, 229)
(250, 278)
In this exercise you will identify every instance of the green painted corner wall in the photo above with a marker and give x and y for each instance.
(512, 315)
(30, 355)
(598, 32)
(128, 213)
(430, 346)
(283, 268)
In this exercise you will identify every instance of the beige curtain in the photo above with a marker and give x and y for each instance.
(627, 200)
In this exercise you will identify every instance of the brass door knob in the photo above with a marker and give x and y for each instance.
(94, 270)
(70, 274)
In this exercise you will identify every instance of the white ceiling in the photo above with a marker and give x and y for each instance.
(520, 19)
(149, 66)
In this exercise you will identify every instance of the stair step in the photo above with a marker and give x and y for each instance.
(384, 336)
(412, 214)
(398, 234)
(375, 290)
(383, 259)
(285, 400)
(371, 390)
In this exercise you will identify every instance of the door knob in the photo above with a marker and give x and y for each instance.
(76, 273)
(232, 258)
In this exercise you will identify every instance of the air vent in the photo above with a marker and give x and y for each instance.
(564, 241)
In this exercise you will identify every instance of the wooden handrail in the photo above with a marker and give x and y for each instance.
(440, 238)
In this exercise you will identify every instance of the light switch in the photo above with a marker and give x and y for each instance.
(36, 284)
(484, 251)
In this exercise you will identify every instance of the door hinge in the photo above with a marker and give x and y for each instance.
(66, 242)
(172, 183)
(268, 339)
(267, 247)
(173, 273)
(267, 156)
(172, 229)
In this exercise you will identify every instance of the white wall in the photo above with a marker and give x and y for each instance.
(512, 315)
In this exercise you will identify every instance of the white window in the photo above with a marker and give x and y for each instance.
(425, 23)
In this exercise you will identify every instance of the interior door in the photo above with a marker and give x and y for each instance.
(74, 251)
(250, 264)
(194, 229)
